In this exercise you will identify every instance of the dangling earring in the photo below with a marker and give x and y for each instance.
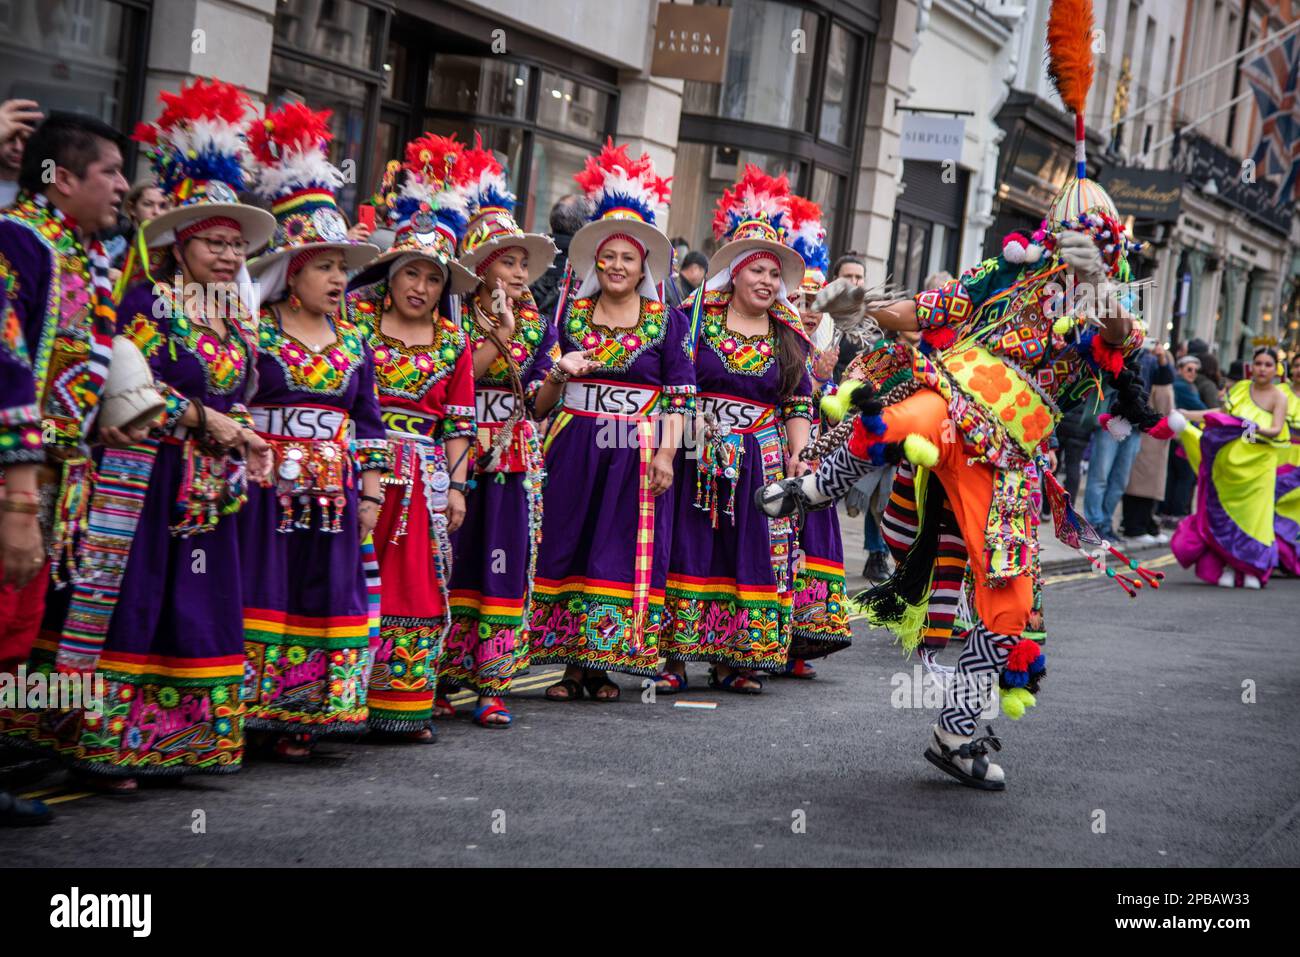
(294, 302)
(388, 301)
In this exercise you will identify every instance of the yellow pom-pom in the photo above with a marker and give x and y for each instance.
(1063, 325)
(1015, 701)
(836, 407)
(921, 451)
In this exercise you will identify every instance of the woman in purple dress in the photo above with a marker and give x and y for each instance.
(306, 611)
(626, 382)
(731, 576)
(495, 549)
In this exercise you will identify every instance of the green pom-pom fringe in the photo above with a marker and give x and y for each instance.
(907, 626)
(1015, 701)
(836, 406)
(921, 451)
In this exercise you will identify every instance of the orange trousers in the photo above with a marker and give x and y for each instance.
(1004, 609)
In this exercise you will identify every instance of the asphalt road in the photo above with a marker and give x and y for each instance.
(1142, 718)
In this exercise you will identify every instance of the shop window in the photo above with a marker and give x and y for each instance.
(828, 193)
(843, 50)
(344, 32)
(702, 171)
(487, 86)
(83, 58)
(767, 80)
(565, 106)
(550, 177)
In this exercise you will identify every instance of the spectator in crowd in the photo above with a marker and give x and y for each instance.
(1111, 461)
(17, 120)
(1207, 380)
(1237, 371)
(569, 214)
(693, 269)
(142, 203)
(684, 281)
(850, 266)
(1181, 481)
(1147, 479)
(1074, 435)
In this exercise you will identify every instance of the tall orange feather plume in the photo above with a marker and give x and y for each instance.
(1069, 51)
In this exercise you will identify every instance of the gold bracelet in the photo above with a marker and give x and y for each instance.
(22, 508)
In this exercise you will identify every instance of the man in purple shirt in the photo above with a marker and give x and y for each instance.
(56, 323)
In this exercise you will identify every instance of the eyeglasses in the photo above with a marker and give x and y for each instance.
(219, 247)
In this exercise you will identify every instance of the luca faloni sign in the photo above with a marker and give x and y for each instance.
(691, 42)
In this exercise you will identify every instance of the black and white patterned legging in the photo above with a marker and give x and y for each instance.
(976, 679)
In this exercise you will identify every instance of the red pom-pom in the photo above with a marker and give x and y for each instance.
(1106, 356)
(204, 100)
(940, 337)
(1023, 655)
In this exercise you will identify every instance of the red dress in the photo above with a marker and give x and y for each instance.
(426, 396)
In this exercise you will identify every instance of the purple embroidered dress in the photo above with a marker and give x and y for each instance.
(495, 550)
(306, 615)
(603, 561)
(730, 580)
(173, 656)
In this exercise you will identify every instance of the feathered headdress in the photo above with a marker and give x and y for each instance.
(481, 180)
(290, 146)
(198, 138)
(808, 237)
(428, 184)
(757, 199)
(197, 151)
(620, 187)
(425, 210)
(623, 193)
(490, 206)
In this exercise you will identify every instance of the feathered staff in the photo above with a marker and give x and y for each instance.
(1070, 65)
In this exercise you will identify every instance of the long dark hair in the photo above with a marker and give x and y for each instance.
(791, 356)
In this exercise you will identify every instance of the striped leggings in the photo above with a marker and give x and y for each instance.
(899, 525)
(976, 679)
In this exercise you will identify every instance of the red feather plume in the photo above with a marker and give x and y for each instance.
(610, 157)
(204, 100)
(473, 163)
(801, 211)
(433, 157)
(1069, 51)
(294, 125)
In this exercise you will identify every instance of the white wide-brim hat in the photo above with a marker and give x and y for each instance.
(586, 242)
(792, 265)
